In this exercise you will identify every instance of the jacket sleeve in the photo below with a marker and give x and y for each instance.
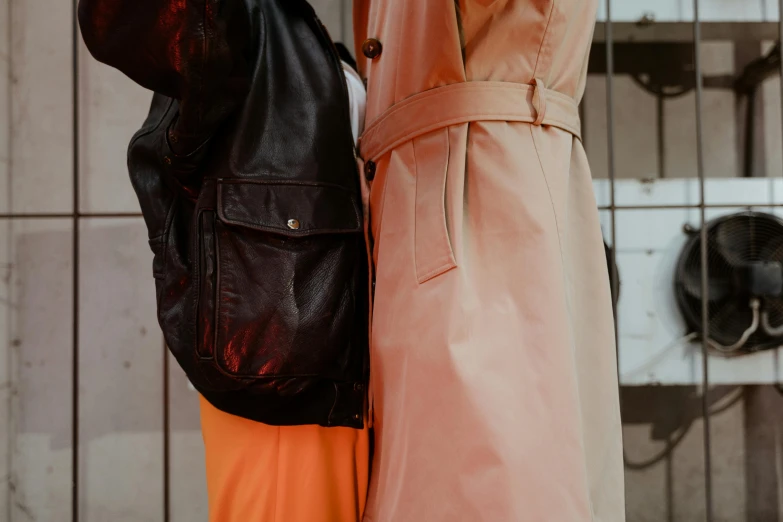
(196, 51)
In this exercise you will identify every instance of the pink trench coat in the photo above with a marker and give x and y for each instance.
(493, 359)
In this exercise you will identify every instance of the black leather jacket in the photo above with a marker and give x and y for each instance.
(246, 175)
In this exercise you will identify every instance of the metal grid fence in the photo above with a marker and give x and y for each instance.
(703, 205)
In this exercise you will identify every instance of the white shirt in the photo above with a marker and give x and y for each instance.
(357, 98)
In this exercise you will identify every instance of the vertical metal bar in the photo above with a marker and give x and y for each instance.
(705, 311)
(75, 260)
(345, 24)
(661, 116)
(611, 164)
(748, 169)
(671, 443)
(166, 437)
(11, 425)
(780, 49)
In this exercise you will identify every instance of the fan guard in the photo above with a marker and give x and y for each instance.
(745, 282)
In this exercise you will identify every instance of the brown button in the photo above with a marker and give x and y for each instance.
(369, 170)
(372, 48)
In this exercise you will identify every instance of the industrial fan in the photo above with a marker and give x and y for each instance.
(744, 282)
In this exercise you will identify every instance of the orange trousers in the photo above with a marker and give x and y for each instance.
(260, 473)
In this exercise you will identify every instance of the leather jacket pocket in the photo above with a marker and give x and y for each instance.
(277, 277)
(434, 253)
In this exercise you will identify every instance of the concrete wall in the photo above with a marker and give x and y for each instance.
(121, 356)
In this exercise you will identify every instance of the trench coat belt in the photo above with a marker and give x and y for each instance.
(465, 102)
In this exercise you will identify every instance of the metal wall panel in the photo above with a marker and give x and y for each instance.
(5, 268)
(111, 109)
(186, 477)
(41, 110)
(37, 334)
(121, 467)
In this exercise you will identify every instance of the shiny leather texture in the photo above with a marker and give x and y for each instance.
(246, 175)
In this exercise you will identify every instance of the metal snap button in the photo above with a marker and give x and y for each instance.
(372, 48)
(293, 224)
(167, 160)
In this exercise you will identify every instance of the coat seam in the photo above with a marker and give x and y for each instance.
(377, 240)
(544, 38)
(399, 55)
(415, 198)
(566, 297)
(549, 192)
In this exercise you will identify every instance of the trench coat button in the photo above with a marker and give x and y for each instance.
(369, 170)
(293, 224)
(372, 48)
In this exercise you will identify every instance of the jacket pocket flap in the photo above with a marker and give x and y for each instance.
(290, 209)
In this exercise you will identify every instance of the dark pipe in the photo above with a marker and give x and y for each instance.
(750, 127)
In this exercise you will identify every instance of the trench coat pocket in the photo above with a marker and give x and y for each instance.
(433, 249)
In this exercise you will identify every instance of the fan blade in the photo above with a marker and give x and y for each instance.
(728, 322)
(732, 240)
(718, 289)
(773, 250)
